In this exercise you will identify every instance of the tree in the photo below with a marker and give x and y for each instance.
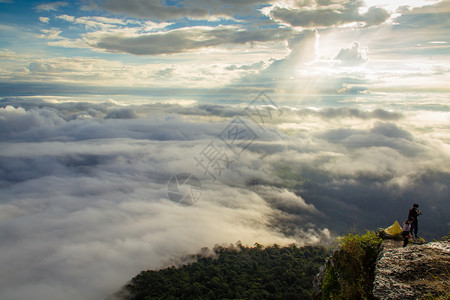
(237, 272)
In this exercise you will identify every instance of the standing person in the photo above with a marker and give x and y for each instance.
(414, 212)
(406, 230)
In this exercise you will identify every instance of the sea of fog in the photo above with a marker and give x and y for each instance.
(93, 192)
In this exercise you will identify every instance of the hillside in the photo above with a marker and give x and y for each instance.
(360, 267)
(234, 273)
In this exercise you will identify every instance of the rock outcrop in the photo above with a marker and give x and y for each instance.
(412, 272)
(319, 278)
(349, 272)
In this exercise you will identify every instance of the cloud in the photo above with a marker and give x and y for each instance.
(352, 56)
(375, 16)
(195, 9)
(108, 183)
(109, 24)
(85, 205)
(123, 113)
(302, 50)
(187, 40)
(44, 19)
(51, 6)
(424, 20)
(330, 113)
(410, 32)
(381, 135)
(17, 120)
(317, 14)
(66, 18)
(50, 34)
(285, 200)
(153, 9)
(254, 66)
(58, 75)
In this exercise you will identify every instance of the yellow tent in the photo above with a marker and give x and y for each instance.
(394, 229)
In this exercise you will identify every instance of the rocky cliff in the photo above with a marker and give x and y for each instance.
(412, 272)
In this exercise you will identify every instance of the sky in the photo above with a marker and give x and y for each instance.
(300, 120)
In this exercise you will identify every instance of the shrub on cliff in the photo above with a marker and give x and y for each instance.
(350, 274)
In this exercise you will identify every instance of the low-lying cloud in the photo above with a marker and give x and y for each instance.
(84, 202)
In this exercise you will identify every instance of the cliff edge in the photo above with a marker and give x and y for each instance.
(412, 272)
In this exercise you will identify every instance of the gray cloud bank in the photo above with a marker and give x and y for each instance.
(195, 9)
(179, 41)
(309, 14)
(83, 186)
(321, 14)
(274, 23)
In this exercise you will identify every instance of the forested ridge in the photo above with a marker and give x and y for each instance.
(235, 273)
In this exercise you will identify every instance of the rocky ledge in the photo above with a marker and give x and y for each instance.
(412, 272)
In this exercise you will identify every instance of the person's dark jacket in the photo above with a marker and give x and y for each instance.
(413, 213)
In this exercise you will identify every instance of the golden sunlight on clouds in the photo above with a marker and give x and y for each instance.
(298, 118)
